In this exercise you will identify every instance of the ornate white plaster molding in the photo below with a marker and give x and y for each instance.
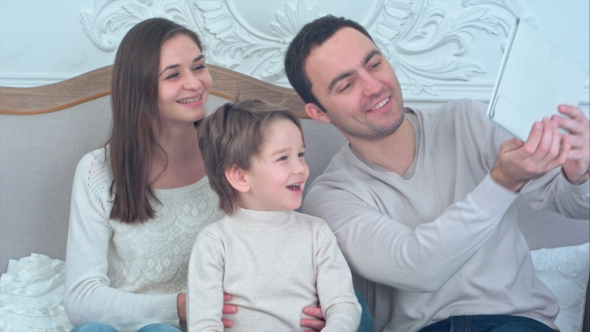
(407, 31)
(402, 28)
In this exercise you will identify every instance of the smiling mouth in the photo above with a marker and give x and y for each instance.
(295, 187)
(189, 100)
(381, 104)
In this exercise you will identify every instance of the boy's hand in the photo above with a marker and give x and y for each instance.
(313, 324)
(228, 309)
(578, 160)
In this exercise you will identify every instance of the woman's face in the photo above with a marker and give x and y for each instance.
(183, 82)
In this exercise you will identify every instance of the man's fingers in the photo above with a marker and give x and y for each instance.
(314, 312)
(575, 120)
(314, 324)
(571, 111)
(227, 323)
(530, 146)
(229, 309)
(511, 144)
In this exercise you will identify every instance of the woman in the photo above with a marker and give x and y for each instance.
(139, 202)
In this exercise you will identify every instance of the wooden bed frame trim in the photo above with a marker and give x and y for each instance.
(97, 83)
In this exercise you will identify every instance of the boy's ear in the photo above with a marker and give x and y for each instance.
(316, 113)
(237, 178)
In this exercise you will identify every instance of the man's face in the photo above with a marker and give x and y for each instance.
(356, 85)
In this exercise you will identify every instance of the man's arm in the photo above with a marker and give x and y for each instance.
(388, 252)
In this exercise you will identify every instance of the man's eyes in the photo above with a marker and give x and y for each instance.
(345, 87)
(376, 64)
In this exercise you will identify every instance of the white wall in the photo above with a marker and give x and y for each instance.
(45, 41)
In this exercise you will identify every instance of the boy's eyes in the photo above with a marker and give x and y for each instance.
(286, 157)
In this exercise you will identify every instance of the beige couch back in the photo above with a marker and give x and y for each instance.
(39, 154)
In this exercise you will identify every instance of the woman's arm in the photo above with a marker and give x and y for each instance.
(89, 296)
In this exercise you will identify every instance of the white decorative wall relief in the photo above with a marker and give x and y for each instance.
(441, 49)
(429, 48)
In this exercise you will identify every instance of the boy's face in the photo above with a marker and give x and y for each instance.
(277, 175)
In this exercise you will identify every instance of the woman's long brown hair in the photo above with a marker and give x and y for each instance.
(136, 121)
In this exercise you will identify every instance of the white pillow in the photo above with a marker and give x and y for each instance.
(31, 296)
(565, 272)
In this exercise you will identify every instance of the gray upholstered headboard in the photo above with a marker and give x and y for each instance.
(45, 131)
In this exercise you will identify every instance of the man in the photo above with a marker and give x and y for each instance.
(421, 201)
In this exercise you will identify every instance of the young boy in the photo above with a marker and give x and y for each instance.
(272, 260)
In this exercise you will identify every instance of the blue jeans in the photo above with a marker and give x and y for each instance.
(102, 327)
(488, 323)
(367, 321)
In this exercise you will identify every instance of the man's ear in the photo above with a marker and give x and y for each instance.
(316, 113)
(237, 178)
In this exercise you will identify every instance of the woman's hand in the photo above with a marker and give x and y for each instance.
(181, 307)
(227, 309)
(313, 324)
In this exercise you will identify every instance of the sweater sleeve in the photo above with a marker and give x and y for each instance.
(388, 252)
(88, 294)
(205, 285)
(334, 285)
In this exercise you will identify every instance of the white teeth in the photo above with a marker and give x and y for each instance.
(295, 186)
(381, 104)
(189, 100)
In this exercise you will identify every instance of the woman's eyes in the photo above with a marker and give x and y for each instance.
(173, 75)
(177, 74)
(198, 67)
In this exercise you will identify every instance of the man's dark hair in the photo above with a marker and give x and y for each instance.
(312, 35)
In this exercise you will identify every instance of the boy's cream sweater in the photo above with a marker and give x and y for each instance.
(274, 264)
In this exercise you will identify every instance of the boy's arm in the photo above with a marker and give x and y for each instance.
(204, 302)
(334, 284)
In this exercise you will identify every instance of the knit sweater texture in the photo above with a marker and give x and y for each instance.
(443, 239)
(273, 263)
(129, 275)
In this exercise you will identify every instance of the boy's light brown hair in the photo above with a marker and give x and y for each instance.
(232, 135)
